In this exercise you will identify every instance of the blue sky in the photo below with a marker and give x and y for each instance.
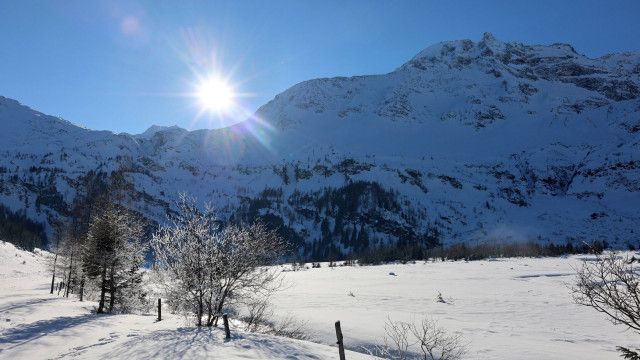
(123, 66)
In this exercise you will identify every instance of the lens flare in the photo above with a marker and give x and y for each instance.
(215, 94)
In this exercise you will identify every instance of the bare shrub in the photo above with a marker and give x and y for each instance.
(259, 318)
(432, 340)
(258, 313)
(435, 342)
(396, 340)
(291, 327)
(611, 285)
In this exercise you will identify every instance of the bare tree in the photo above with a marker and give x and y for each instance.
(58, 233)
(71, 248)
(185, 251)
(610, 285)
(64, 263)
(242, 266)
(70, 238)
(209, 265)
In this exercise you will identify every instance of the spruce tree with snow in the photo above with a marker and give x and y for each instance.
(112, 256)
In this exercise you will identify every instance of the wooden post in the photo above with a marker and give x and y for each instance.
(340, 342)
(159, 309)
(227, 333)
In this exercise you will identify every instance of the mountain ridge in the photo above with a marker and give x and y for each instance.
(471, 140)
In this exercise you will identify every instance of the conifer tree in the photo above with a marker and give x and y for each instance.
(112, 255)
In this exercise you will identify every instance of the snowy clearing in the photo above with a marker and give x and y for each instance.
(36, 325)
(506, 309)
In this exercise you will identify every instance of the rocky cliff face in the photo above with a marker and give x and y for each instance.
(465, 142)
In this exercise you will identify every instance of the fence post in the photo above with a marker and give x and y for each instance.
(340, 342)
(227, 333)
(159, 309)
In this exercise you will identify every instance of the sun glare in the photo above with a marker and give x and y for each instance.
(214, 94)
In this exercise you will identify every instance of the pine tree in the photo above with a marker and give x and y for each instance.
(354, 237)
(324, 229)
(113, 254)
(363, 237)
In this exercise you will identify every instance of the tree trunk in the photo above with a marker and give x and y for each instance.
(103, 288)
(112, 287)
(61, 287)
(209, 314)
(210, 308)
(200, 309)
(66, 293)
(220, 305)
(82, 288)
(227, 333)
(53, 277)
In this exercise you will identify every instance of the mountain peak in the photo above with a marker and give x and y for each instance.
(153, 129)
(459, 53)
(487, 46)
(488, 37)
(489, 41)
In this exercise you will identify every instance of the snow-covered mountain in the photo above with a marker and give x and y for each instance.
(468, 141)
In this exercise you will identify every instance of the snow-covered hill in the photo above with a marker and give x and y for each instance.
(468, 140)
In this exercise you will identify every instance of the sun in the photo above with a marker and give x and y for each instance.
(215, 94)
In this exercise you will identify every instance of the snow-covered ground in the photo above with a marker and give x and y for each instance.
(36, 325)
(505, 309)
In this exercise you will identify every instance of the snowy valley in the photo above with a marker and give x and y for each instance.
(484, 189)
(506, 309)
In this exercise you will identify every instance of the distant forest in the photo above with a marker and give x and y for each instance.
(17, 229)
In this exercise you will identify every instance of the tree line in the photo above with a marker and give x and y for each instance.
(18, 229)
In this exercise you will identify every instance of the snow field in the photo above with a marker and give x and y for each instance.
(37, 325)
(506, 309)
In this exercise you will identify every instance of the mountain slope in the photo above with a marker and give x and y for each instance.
(467, 141)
